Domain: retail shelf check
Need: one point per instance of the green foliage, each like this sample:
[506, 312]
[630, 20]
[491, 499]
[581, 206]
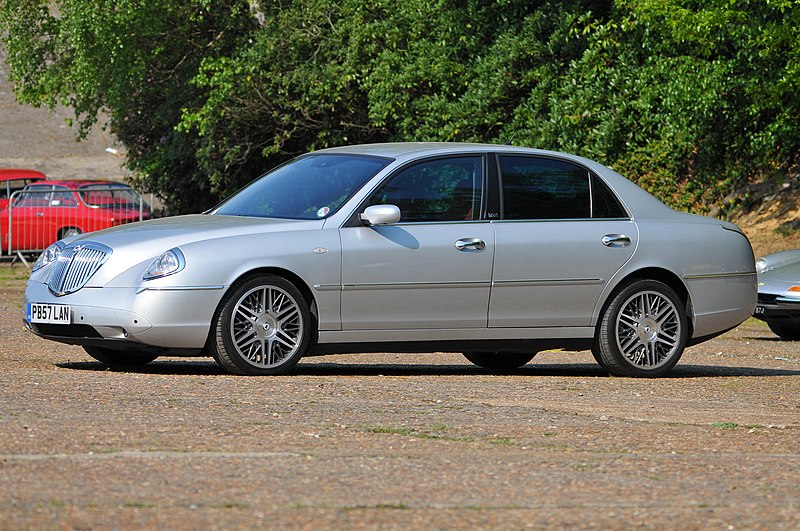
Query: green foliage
[292, 88]
[691, 99]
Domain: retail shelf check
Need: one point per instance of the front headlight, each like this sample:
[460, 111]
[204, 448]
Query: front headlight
[48, 256]
[168, 263]
[761, 265]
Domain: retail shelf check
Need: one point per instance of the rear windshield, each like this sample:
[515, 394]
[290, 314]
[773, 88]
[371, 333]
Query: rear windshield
[110, 196]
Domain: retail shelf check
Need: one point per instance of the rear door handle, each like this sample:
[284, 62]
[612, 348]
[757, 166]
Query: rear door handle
[615, 240]
[470, 244]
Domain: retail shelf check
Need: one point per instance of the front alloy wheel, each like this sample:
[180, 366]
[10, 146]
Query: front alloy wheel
[643, 331]
[262, 327]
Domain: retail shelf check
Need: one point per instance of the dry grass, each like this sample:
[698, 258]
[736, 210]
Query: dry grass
[775, 225]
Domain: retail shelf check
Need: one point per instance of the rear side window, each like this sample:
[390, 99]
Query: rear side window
[539, 188]
[604, 203]
[62, 197]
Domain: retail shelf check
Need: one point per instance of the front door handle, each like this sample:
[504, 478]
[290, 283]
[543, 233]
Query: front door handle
[470, 244]
[615, 240]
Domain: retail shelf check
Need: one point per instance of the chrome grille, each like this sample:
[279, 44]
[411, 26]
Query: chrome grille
[75, 266]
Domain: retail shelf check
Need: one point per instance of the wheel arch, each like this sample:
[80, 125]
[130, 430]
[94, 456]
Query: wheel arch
[661, 275]
[61, 233]
[294, 278]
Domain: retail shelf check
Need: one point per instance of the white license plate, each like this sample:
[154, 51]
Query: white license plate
[49, 313]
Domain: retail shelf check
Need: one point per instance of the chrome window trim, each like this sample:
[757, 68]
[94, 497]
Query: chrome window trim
[559, 220]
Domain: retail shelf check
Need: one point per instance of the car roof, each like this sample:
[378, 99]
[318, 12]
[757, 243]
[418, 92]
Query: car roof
[9, 174]
[404, 149]
[79, 183]
[638, 201]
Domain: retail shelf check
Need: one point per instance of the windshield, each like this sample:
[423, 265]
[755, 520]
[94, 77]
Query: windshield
[311, 187]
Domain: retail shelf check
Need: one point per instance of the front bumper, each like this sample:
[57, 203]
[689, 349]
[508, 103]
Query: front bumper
[176, 319]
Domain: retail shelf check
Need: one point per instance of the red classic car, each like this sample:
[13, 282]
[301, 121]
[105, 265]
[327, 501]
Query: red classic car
[44, 212]
[13, 180]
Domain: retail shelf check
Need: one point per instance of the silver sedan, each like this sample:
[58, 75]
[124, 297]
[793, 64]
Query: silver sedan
[494, 251]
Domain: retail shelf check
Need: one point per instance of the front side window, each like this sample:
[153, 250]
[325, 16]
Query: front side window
[311, 187]
[539, 188]
[62, 197]
[436, 190]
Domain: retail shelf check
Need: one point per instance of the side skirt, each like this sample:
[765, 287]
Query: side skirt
[523, 340]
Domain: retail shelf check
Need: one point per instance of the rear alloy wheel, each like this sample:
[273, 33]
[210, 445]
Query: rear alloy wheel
[787, 333]
[499, 361]
[263, 327]
[119, 358]
[643, 331]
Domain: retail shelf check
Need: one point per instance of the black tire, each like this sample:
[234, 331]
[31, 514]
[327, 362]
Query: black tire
[643, 330]
[262, 327]
[787, 333]
[69, 231]
[499, 361]
[120, 358]
[597, 356]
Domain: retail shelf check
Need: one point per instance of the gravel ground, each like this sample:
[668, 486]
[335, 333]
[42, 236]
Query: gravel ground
[398, 441]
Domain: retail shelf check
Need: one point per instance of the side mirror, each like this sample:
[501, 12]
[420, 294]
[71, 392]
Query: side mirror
[380, 215]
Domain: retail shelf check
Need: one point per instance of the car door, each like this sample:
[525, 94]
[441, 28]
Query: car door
[64, 214]
[432, 269]
[562, 238]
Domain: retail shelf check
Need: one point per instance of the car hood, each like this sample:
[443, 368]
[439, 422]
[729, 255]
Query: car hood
[777, 281]
[135, 245]
[159, 235]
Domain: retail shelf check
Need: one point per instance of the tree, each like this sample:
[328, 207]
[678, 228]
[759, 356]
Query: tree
[130, 61]
[321, 73]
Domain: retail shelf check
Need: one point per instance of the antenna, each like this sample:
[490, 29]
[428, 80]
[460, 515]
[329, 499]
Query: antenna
[510, 139]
